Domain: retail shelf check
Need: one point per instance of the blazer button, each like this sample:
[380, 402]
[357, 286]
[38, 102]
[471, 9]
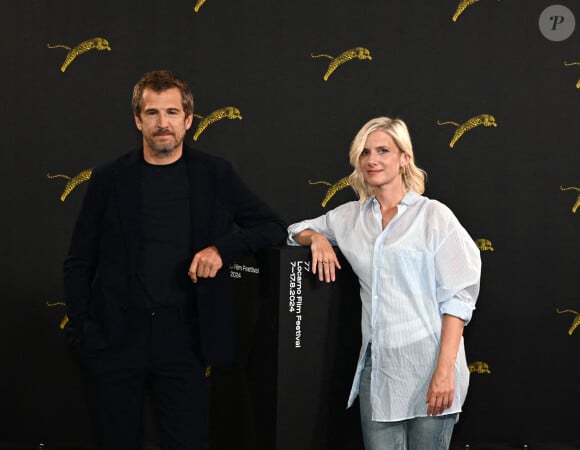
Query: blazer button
[124, 308]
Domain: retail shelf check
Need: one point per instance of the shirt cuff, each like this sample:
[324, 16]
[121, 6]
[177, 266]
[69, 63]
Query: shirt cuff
[296, 228]
[457, 308]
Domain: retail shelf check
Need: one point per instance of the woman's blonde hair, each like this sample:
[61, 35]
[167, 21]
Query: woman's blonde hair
[413, 177]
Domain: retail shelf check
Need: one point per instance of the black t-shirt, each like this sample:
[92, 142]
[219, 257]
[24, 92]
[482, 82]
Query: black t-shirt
[166, 235]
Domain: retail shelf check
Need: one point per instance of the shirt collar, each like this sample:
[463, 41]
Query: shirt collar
[409, 199]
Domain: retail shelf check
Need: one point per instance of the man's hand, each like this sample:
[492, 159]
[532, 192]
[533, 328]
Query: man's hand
[205, 264]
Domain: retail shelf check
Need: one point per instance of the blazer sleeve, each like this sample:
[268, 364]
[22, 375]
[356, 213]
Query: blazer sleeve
[82, 258]
[256, 225]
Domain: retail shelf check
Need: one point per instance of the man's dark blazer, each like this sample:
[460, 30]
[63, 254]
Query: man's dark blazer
[100, 270]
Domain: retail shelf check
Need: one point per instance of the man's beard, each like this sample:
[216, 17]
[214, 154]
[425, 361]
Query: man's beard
[164, 149]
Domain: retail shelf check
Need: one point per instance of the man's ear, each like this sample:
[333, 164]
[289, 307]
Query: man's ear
[138, 123]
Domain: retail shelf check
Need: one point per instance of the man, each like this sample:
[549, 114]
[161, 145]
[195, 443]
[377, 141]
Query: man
[148, 305]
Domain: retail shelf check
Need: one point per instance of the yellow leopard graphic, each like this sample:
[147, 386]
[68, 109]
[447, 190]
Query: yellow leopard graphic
[73, 182]
[353, 53]
[198, 5]
[486, 120]
[463, 5]
[479, 367]
[576, 321]
[332, 189]
[568, 188]
[65, 319]
[229, 112]
[574, 64]
[484, 245]
[91, 44]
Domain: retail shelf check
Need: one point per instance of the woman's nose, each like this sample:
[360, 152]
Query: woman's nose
[372, 159]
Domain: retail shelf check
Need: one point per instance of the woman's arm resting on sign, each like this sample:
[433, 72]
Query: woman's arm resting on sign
[324, 260]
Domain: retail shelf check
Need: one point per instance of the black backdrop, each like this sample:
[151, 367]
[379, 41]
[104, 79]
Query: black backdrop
[505, 183]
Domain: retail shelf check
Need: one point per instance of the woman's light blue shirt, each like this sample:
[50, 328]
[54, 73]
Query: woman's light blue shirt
[422, 265]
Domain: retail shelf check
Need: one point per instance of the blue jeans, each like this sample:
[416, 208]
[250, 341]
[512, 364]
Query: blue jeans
[419, 433]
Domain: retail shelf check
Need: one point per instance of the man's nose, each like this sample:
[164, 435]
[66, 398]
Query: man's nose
[162, 120]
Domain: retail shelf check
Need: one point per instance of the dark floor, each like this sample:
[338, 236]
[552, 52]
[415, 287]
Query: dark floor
[475, 446]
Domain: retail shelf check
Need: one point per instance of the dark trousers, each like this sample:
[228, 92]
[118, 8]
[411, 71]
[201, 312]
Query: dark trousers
[160, 353]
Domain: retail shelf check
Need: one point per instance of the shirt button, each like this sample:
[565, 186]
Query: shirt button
[153, 313]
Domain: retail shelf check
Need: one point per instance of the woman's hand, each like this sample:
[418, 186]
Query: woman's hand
[324, 260]
[442, 386]
[441, 390]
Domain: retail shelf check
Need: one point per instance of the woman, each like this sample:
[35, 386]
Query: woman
[419, 274]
